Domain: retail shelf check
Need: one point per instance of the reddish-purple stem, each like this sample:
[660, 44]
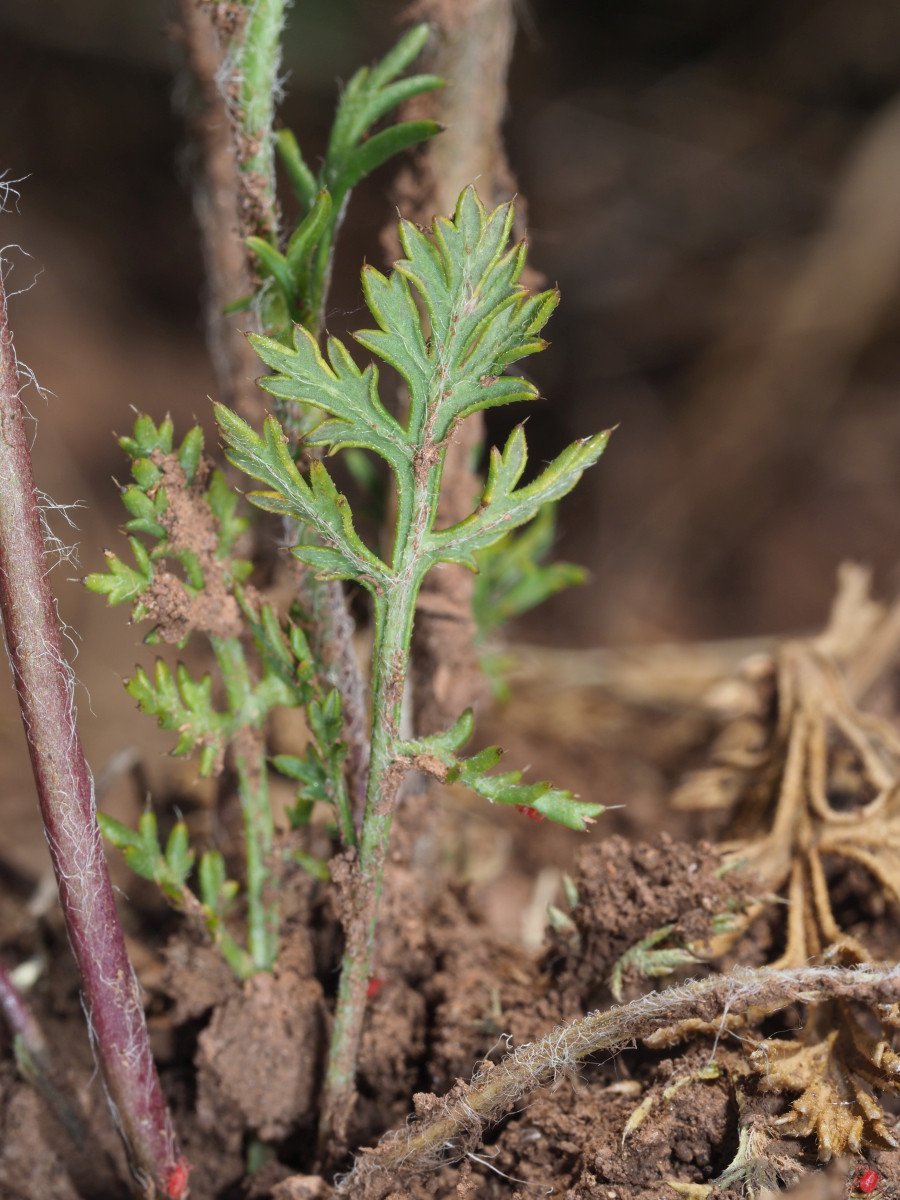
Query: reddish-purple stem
[45, 687]
[19, 1019]
[33, 1057]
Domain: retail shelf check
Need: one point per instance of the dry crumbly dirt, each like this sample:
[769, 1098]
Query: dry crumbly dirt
[242, 1062]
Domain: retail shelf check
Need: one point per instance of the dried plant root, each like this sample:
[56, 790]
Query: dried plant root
[446, 1127]
[834, 1065]
[812, 777]
[815, 781]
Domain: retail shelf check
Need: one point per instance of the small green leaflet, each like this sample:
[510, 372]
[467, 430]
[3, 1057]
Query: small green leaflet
[506, 788]
[504, 506]
[144, 853]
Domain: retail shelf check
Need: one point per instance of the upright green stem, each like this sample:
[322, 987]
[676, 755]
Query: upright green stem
[393, 620]
[45, 688]
[253, 789]
[332, 642]
[391, 662]
[256, 69]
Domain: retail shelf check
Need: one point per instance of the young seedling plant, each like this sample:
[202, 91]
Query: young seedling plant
[450, 318]
[477, 320]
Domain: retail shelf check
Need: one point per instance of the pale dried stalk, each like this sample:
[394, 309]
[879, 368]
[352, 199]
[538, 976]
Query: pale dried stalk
[471, 47]
[217, 204]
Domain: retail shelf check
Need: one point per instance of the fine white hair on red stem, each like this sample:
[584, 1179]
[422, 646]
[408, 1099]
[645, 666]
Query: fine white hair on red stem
[45, 685]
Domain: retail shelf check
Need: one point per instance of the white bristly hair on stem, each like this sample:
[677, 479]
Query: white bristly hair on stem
[455, 1124]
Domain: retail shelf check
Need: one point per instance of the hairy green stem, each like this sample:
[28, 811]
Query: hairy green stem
[45, 688]
[262, 919]
[253, 790]
[332, 643]
[394, 618]
[393, 621]
[256, 68]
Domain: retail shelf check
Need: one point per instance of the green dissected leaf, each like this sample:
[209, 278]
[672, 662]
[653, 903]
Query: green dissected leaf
[480, 319]
[539, 798]
[511, 579]
[148, 503]
[185, 705]
[320, 770]
[143, 852]
[370, 94]
[340, 389]
[651, 960]
[122, 582]
[355, 148]
[317, 504]
[504, 506]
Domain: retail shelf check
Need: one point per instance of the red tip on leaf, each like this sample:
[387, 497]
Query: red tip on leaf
[176, 1181]
[374, 987]
[531, 813]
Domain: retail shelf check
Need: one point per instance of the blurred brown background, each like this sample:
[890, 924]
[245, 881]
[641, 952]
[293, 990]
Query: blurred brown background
[715, 186]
